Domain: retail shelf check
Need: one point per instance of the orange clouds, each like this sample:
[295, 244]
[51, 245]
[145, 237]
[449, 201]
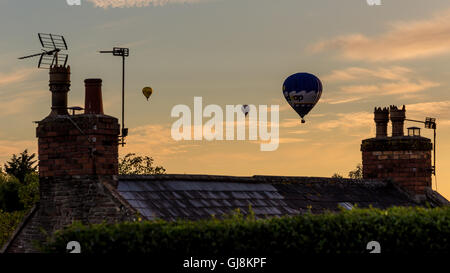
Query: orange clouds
[10, 147]
[356, 73]
[405, 40]
[436, 109]
[154, 140]
[16, 76]
[356, 83]
[353, 121]
[389, 88]
[18, 103]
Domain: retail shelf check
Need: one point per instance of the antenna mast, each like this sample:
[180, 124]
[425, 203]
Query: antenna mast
[122, 52]
[430, 123]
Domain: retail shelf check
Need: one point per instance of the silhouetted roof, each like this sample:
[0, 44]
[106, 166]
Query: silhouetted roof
[195, 197]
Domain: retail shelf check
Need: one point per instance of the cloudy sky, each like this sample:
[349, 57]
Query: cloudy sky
[237, 52]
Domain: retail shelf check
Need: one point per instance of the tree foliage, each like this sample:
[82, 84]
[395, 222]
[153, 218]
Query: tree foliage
[29, 191]
[20, 166]
[135, 164]
[9, 194]
[19, 185]
[356, 173]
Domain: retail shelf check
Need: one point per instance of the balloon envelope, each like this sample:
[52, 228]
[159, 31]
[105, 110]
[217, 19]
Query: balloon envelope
[302, 91]
[245, 109]
[147, 91]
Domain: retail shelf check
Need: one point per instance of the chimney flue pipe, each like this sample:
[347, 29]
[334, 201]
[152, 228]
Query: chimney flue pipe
[398, 120]
[59, 86]
[93, 103]
[381, 117]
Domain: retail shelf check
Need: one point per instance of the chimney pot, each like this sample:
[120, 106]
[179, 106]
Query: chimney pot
[398, 119]
[381, 117]
[93, 103]
[59, 86]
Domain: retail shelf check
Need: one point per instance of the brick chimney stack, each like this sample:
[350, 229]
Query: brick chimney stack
[403, 160]
[398, 120]
[85, 144]
[381, 117]
[78, 164]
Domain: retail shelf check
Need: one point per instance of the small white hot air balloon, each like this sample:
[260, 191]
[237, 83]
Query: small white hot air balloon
[246, 109]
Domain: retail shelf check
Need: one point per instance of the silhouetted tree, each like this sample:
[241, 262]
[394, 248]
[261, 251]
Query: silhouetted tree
[29, 191]
[20, 166]
[9, 194]
[356, 173]
[134, 164]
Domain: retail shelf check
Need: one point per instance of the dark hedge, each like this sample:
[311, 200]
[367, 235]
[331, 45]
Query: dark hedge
[398, 230]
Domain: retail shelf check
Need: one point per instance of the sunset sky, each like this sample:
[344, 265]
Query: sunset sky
[237, 52]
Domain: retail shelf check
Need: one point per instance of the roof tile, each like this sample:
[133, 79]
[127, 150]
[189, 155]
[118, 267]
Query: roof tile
[193, 197]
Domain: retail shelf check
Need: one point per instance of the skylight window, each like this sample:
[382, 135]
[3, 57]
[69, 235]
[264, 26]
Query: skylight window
[346, 205]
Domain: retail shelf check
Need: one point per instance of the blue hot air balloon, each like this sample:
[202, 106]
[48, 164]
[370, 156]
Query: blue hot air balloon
[302, 91]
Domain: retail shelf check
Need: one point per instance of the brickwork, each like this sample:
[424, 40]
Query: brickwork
[78, 162]
[404, 160]
[78, 145]
[66, 199]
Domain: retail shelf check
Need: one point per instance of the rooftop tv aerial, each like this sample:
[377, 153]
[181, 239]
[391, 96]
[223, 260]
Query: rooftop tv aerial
[51, 53]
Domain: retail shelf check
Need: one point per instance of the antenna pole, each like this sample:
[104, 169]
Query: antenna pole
[122, 52]
[413, 120]
[123, 99]
[434, 153]
[430, 123]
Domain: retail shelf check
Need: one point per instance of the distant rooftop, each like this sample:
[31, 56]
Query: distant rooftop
[196, 197]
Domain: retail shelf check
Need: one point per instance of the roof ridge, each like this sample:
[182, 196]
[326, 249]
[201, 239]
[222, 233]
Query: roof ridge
[249, 179]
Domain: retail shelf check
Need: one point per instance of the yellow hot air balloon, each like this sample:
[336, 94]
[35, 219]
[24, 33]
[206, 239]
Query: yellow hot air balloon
[147, 91]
